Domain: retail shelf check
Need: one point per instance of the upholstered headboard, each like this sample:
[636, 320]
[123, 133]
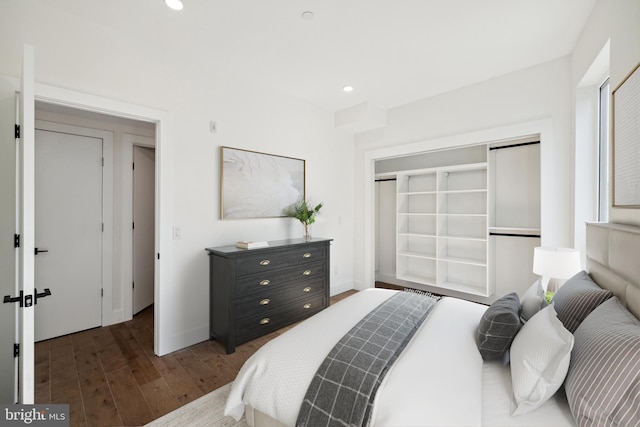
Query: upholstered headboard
[613, 261]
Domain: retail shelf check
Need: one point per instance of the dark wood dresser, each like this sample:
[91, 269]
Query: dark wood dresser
[255, 291]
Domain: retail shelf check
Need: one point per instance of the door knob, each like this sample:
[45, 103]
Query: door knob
[37, 251]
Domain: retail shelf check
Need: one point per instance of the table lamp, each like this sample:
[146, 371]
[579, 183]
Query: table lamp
[555, 265]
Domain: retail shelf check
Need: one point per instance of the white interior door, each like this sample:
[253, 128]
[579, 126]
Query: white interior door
[8, 256]
[386, 230]
[144, 227]
[25, 222]
[68, 230]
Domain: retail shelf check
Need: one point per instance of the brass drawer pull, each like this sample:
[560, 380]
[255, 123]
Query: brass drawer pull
[306, 255]
[307, 289]
[265, 301]
[307, 306]
[265, 282]
[265, 321]
[306, 273]
[265, 262]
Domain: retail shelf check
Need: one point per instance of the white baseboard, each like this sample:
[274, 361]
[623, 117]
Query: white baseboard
[340, 288]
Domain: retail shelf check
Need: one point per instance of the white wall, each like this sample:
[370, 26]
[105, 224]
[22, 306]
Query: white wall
[90, 58]
[537, 99]
[616, 21]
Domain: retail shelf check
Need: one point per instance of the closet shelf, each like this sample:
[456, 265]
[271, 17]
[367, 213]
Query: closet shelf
[463, 214]
[415, 193]
[417, 213]
[481, 190]
[524, 231]
[468, 261]
[417, 234]
[480, 289]
[417, 255]
[469, 238]
[426, 280]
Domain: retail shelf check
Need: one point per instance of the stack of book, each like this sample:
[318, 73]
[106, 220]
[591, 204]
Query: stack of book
[251, 245]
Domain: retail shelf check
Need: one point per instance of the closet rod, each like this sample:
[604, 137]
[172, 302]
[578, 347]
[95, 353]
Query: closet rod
[385, 179]
[537, 236]
[514, 145]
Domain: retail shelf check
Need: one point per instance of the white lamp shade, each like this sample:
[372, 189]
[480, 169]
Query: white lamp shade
[557, 263]
[174, 4]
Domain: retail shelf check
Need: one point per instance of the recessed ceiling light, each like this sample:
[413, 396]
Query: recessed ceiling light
[348, 88]
[174, 4]
[307, 15]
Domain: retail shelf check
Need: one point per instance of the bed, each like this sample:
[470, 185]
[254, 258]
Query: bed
[441, 378]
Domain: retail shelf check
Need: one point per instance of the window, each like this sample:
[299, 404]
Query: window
[603, 153]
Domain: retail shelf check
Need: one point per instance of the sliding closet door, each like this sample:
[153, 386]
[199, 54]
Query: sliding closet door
[386, 229]
[514, 213]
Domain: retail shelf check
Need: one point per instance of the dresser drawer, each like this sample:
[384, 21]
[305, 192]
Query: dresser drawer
[271, 320]
[265, 299]
[272, 260]
[277, 279]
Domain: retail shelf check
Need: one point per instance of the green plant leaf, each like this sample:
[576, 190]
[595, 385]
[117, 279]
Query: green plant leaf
[303, 212]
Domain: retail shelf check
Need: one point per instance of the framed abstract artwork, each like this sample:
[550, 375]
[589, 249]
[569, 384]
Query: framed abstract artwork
[258, 185]
[626, 141]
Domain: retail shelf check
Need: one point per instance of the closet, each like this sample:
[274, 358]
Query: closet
[466, 219]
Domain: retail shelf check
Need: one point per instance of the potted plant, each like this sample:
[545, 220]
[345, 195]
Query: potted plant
[304, 212]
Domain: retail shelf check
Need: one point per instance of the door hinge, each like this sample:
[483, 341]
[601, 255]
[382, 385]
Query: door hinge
[101, 292]
[158, 255]
[133, 285]
[16, 350]
[103, 162]
[133, 225]
[103, 227]
[17, 131]
[133, 166]
[16, 240]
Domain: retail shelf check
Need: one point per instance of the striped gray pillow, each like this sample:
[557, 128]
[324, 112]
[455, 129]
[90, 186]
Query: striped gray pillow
[577, 298]
[603, 383]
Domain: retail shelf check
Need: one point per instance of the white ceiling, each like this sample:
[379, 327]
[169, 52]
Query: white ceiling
[392, 51]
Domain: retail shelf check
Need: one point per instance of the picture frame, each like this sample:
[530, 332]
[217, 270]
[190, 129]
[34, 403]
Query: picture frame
[625, 100]
[258, 185]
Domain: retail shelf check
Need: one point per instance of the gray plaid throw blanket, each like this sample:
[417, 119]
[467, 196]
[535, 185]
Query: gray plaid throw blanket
[343, 389]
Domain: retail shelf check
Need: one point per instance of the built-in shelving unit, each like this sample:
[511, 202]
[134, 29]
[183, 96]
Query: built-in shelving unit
[442, 228]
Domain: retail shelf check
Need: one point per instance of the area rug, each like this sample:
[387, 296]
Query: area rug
[207, 410]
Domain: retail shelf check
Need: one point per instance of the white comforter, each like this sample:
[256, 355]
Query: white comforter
[288, 363]
[436, 381]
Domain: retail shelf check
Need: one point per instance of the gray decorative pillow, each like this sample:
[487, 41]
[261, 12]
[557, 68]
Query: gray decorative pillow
[532, 301]
[603, 383]
[498, 326]
[578, 297]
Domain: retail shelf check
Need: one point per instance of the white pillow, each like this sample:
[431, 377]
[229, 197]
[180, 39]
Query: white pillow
[540, 356]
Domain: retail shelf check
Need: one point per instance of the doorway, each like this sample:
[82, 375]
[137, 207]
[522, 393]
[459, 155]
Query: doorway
[143, 226]
[118, 272]
[27, 95]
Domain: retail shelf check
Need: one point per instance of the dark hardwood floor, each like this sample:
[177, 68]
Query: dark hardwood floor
[110, 376]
